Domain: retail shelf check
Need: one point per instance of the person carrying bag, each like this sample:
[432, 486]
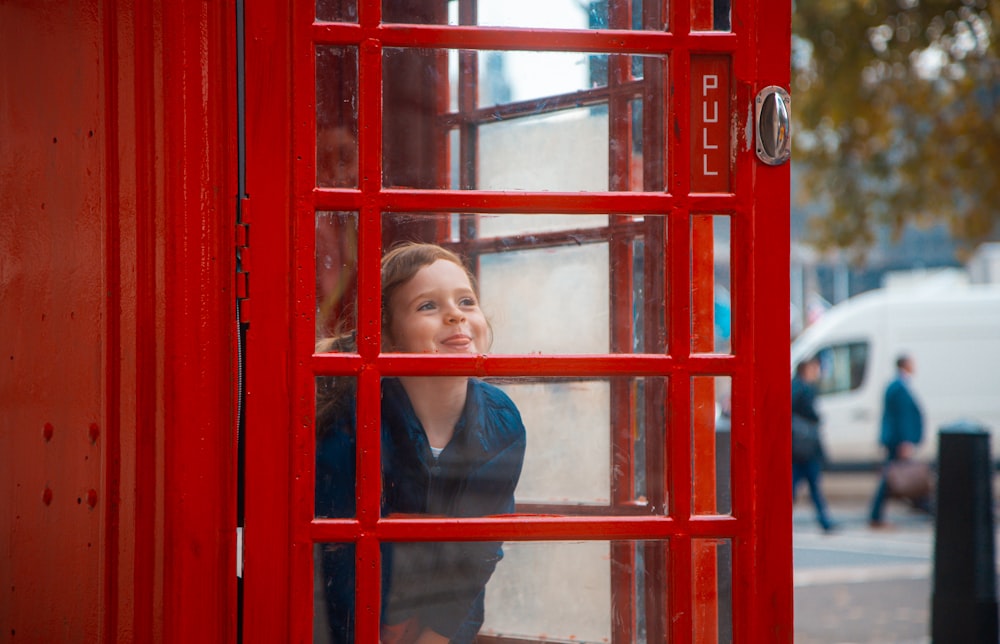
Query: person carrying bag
[807, 446]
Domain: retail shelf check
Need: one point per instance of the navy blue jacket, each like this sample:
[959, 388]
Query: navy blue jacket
[441, 584]
[902, 421]
[804, 399]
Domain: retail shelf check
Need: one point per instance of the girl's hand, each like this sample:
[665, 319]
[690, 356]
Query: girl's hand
[402, 633]
[430, 637]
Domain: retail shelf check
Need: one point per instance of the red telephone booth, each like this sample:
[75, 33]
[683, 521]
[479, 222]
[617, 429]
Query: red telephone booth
[228, 177]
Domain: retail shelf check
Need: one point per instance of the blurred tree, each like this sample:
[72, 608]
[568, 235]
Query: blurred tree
[896, 108]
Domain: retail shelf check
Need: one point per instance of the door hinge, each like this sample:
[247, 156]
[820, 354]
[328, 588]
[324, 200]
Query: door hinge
[239, 552]
[242, 286]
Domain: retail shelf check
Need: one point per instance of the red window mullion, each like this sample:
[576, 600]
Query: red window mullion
[679, 424]
[303, 332]
[369, 332]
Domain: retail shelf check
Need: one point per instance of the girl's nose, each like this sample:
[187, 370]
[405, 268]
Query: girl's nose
[455, 313]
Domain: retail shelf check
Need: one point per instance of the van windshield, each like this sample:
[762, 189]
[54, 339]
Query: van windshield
[843, 367]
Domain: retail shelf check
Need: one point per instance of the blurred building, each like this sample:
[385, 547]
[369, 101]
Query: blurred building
[822, 280]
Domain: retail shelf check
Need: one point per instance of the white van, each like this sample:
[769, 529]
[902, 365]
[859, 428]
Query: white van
[952, 331]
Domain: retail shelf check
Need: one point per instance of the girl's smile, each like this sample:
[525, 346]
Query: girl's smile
[437, 311]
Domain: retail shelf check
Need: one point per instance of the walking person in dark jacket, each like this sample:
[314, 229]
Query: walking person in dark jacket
[902, 430]
[809, 467]
[451, 446]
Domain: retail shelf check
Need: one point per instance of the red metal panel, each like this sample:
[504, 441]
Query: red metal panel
[52, 322]
[146, 238]
[98, 374]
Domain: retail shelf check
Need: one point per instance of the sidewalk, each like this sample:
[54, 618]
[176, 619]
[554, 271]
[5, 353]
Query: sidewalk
[858, 585]
[848, 486]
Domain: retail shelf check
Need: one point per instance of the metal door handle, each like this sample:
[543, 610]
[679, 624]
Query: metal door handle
[774, 135]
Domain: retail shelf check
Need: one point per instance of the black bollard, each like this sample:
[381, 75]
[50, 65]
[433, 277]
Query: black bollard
[964, 596]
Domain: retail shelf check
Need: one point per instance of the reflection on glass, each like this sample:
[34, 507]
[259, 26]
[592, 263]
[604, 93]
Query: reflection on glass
[506, 225]
[551, 300]
[337, 10]
[711, 305]
[648, 277]
[710, 444]
[513, 76]
[595, 444]
[711, 591]
[336, 270]
[569, 461]
[333, 593]
[567, 151]
[336, 117]
[414, 145]
[563, 14]
[711, 15]
[569, 597]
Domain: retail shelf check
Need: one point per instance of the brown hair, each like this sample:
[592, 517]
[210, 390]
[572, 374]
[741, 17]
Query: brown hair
[399, 265]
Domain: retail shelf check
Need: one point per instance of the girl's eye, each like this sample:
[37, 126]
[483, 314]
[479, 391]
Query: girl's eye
[467, 301]
[426, 306]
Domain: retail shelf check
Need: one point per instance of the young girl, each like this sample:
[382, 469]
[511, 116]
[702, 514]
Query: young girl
[451, 446]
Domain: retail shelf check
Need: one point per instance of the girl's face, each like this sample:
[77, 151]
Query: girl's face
[437, 311]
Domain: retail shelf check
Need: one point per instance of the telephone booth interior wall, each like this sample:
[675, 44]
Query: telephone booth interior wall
[596, 168]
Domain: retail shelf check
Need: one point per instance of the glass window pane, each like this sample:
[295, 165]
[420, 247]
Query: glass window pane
[333, 593]
[576, 430]
[508, 225]
[563, 14]
[843, 367]
[569, 598]
[513, 76]
[523, 590]
[710, 444]
[712, 583]
[711, 15]
[548, 301]
[336, 445]
[546, 286]
[565, 152]
[711, 305]
[535, 445]
[336, 271]
[336, 117]
[570, 455]
[522, 120]
[337, 10]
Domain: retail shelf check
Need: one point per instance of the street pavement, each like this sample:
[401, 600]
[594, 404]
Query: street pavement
[859, 585]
